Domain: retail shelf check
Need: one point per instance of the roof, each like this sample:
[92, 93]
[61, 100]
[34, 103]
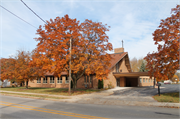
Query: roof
[132, 74]
[50, 74]
[116, 58]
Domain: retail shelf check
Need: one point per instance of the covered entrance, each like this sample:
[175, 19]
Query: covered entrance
[118, 82]
[131, 82]
[128, 79]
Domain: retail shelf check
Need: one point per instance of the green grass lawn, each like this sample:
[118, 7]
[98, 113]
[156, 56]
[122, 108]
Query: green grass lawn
[54, 91]
[168, 97]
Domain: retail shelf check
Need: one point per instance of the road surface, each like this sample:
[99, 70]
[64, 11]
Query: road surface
[25, 108]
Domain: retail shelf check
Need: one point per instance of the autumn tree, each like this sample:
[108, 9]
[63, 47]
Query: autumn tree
[89, 46]
[19, 68]
[7, 68]
[164, 63]
[175, 78]
[178, 74]
[136, 64]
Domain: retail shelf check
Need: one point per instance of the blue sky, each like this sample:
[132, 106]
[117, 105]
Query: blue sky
[132, 21]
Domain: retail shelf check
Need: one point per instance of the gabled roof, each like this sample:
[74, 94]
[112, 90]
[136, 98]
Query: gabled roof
[119, 56]
[116, 58]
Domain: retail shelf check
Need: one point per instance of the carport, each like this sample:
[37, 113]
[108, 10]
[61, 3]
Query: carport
[128, 79]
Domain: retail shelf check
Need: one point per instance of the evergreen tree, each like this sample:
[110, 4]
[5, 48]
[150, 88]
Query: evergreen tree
[143, 67]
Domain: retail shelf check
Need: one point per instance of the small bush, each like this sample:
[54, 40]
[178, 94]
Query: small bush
[100, 84]
[110, 85]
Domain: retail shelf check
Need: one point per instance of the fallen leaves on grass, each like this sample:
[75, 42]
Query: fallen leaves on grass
[168, 97]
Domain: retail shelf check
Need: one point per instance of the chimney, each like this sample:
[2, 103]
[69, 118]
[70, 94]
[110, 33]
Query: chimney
[118, 50]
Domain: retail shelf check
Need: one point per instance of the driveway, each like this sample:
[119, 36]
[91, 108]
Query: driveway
[141, 96]
[147, 91]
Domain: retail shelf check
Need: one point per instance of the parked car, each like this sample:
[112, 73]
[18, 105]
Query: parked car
[168, 82]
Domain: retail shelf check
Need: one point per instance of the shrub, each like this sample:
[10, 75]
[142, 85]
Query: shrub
[100, 84]
[110, 85]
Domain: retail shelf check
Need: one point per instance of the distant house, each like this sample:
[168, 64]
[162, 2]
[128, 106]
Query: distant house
[120, 75]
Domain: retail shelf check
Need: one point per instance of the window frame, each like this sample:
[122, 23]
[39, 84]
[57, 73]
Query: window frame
[117, 67]
[39, 81]
[51, 78]
[67, 80]
[140, 79]
[87, 79]
[45, 79]
[91, 79]
[59, 80]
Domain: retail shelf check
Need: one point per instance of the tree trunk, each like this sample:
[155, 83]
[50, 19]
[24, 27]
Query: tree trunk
[26, 84]
[74, 84]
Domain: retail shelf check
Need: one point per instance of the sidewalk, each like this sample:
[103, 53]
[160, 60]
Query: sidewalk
[106, 98]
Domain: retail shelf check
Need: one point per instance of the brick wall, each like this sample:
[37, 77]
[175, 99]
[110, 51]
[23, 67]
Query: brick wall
[145, 81]
[81, 83]
[48, 84]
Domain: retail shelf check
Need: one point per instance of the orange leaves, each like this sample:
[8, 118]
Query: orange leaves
[89, 46]
[165, 62]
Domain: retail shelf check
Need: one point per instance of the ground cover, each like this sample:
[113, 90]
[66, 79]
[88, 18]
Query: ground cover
[168, 97]
[32, 95]
[53, 91]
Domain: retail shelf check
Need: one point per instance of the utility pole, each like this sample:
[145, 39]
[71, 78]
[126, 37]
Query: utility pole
[70, 68]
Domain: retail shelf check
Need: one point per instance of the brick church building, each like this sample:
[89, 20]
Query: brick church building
[120, 75]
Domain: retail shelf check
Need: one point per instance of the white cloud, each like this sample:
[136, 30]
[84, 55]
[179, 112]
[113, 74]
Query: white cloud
[132, 21]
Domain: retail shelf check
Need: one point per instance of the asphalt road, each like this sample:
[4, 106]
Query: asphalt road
[148, 91]
[25, 108]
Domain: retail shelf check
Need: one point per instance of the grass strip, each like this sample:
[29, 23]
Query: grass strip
[30, 95]
[168, 97]
[53, 91]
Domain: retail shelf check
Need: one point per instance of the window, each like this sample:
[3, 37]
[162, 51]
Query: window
[140, 80]
[88, 79]
[117, 67]
[149, 80]
[67, 80]
[91, 78]
[59, 80]
[143, 79]
[146, 80]
[51, 79]
[84, 79]
[39, 80]
[45, 80]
